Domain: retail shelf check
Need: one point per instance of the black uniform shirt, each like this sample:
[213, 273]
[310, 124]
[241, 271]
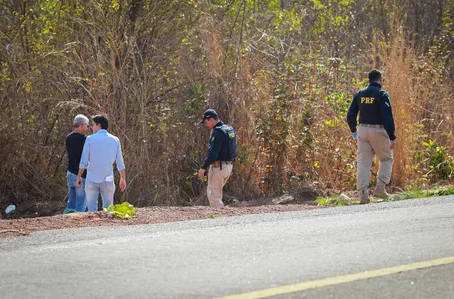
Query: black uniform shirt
[374, 107]
[217, 142]
[74, 145]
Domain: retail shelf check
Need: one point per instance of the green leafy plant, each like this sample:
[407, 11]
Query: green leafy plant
[336, 200]
[124, 210]
[440, 164]
[417, 193]
[344, 200]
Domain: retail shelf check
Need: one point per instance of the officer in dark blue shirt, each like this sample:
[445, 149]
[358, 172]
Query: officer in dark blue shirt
[220, 157]
[375, 135]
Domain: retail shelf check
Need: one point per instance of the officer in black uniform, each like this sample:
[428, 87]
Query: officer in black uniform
[220, 157]
[375, 135]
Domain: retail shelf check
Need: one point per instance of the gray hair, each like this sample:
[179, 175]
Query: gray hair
[80, 119]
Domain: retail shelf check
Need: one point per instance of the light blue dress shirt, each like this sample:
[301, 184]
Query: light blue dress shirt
[100, 151]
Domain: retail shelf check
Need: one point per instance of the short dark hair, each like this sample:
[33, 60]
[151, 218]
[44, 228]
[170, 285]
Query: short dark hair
[374, 75]
[214, 117]
[102, 120]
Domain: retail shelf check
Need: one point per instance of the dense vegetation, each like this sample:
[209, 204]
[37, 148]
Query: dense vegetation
[281, 72]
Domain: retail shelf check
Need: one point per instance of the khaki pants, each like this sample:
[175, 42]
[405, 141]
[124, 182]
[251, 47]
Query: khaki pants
[216, 181]
[373, 140]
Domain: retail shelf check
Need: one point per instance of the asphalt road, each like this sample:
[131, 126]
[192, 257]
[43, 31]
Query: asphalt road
[228, 256]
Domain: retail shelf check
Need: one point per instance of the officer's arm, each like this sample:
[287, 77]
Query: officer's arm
[387, 115]
[215, 148]
[353, 113]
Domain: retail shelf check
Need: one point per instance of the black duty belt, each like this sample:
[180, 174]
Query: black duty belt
[219, 163]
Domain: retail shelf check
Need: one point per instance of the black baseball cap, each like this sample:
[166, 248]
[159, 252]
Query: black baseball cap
[210, 113]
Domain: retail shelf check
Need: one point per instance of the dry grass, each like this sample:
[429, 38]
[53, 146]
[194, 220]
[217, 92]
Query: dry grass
[154, 77]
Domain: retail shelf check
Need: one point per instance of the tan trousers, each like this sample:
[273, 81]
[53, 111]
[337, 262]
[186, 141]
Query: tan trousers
[373, 141]
[216, 181]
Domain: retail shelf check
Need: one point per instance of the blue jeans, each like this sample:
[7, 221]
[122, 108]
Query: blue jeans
[76, 196]
[107, 190]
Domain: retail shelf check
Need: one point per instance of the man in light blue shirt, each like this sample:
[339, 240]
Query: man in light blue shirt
[100, 151]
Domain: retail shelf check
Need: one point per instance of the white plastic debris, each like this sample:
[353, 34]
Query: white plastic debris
[10, 209]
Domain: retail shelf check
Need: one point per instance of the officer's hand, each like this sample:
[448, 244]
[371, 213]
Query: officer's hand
[202, 173]
[392, 144]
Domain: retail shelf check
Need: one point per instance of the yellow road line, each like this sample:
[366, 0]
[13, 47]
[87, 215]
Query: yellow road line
[303, 286]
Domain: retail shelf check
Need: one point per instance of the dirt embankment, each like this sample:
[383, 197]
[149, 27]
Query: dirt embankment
[299, 199]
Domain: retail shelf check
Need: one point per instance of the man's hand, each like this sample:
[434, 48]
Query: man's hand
[79, 177]
[122, 180]
[392, 144]
[122, 185]
[79, 182]
[202, 173]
